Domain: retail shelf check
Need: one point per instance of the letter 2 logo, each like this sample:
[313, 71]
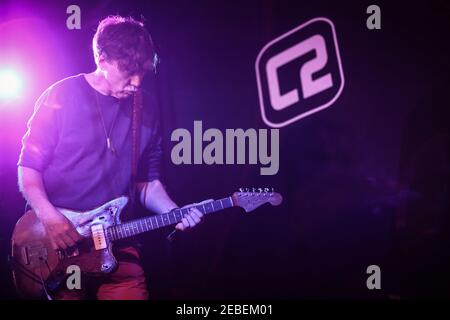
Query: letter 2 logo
[308, 53]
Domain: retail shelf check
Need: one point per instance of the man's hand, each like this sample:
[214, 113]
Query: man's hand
[59, 229]
[192, 218]
[61, 232]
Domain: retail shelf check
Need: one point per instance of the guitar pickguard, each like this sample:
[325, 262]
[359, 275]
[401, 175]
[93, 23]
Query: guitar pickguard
[36, 261]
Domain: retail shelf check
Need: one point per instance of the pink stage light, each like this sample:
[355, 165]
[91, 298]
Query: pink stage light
[10, 84]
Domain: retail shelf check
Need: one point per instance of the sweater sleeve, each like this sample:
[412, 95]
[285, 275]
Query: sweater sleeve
[41, 136]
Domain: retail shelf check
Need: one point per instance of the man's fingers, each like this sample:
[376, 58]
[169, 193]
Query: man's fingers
[180, 226]
[60, 244]
[197, 212]
[195, 215]
[183, 225]
[68, 240]
[74, 235]
[54, 244]
[195, 218]
[192, 218]
[191, 222]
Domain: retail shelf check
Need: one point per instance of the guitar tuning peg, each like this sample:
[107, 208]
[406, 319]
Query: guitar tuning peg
[266, 189]
[260, 190]
[241, 189]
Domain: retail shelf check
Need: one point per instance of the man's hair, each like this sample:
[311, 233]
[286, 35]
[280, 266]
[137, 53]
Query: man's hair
[125, 40]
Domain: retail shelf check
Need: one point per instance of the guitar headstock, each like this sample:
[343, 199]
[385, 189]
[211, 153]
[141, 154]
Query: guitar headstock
[252, 198]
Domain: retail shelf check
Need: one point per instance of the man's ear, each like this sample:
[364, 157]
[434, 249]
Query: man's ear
[102, 62]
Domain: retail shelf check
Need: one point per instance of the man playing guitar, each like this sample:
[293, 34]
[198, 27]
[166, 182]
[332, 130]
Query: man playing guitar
[77, 151]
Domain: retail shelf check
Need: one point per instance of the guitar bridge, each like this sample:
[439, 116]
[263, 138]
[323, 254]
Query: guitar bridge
[34, 255]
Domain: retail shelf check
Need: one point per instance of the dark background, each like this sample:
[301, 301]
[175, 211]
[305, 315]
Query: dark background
[364, 182]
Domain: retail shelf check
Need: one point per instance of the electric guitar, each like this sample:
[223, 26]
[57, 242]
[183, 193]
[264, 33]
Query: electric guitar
[38, 269]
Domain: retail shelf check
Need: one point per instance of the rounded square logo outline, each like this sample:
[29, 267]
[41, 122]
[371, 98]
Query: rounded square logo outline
[309, 112]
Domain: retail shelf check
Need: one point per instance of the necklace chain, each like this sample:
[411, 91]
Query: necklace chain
[107, 135]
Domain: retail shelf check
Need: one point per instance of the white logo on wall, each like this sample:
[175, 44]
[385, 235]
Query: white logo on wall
[299, 73]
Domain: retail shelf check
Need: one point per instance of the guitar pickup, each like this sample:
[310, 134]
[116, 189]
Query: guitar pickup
[98, 236]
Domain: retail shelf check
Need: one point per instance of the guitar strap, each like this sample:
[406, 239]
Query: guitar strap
[136, 139]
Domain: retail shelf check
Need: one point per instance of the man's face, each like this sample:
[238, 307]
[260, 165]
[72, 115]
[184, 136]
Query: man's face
[122, 84]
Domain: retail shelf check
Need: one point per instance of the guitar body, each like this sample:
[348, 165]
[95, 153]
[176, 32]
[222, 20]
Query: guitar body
[38, 269]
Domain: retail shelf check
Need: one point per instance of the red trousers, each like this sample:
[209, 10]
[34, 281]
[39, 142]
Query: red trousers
[126, 283]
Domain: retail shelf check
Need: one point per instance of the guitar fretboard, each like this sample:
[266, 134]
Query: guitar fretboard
[138, 226]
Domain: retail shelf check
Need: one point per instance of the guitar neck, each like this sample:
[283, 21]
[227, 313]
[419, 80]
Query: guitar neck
[138, 226]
